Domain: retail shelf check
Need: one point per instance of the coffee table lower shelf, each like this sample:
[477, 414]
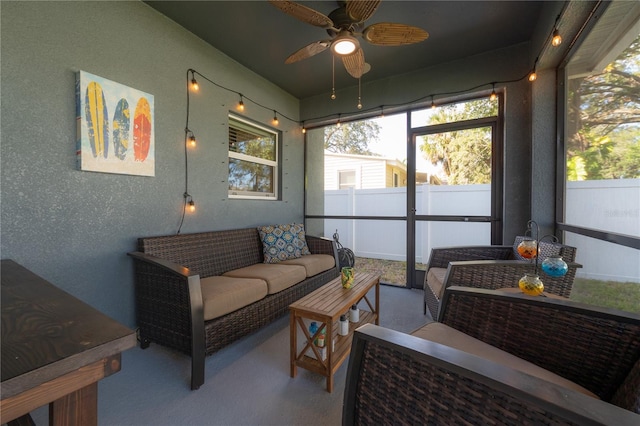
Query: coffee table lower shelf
[325, 306]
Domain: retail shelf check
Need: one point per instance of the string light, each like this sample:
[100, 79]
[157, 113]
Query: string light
[194, 83]
[189, 204]
[338, 124]
[557, 38]
[433, 104]
[533, 75]
[493, 95]
[241, 104]
[275, 118]
[191, 139]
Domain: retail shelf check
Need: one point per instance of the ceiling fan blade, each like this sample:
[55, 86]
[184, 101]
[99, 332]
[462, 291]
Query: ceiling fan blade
[389, 34]
[303, 13]
[354, 63]
[361, 10]
[308, 51]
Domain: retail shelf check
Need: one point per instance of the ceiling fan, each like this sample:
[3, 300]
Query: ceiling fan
[344, 26]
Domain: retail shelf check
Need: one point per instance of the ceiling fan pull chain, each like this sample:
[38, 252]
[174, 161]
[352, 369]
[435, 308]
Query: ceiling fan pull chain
[333, 77]
[359, 94]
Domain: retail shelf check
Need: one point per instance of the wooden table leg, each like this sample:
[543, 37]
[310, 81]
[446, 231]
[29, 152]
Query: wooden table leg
[293, 339]
[77, 408]
[328, 343]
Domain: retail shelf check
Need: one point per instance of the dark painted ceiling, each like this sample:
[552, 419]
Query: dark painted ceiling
[261, 37]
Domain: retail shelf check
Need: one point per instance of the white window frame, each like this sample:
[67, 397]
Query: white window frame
[248, 158]
[355, 176]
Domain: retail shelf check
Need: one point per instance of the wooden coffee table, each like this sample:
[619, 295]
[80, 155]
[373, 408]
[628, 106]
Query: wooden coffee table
[325, 305]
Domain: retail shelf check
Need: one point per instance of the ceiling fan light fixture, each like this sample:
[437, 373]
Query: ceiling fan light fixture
[344, 44]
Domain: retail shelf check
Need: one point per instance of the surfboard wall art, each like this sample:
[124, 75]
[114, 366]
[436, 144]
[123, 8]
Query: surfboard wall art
[114, 127]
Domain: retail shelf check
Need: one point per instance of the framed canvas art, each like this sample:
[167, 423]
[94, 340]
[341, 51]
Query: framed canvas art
[114, 127]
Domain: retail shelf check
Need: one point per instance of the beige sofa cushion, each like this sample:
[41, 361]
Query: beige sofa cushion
[277, 276]
[313, 263]
[222, 295]
[445, 335]
[435, 280]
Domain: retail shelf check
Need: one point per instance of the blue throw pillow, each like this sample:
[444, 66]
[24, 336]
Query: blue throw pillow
[282, 242]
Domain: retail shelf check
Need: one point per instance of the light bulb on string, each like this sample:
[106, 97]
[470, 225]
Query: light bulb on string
[191, 138]
[194, 84]
[433, 104]
[493, 95]
[333, 78]
[557, 38]
[189, 204]
[304, 130]
[240, 104]
[275, 118]
[533, 75]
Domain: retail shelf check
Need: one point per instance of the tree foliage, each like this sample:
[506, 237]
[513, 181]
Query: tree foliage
[464, 156]
[351, 138]
[604, 121]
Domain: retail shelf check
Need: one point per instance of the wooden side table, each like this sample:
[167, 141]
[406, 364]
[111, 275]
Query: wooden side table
[325, 306]
[55, 349]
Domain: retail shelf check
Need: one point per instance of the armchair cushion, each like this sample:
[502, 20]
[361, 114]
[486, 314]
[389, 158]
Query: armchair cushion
[445, 335]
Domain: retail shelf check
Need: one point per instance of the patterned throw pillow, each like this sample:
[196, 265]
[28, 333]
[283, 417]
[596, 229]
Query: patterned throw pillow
[282, 242]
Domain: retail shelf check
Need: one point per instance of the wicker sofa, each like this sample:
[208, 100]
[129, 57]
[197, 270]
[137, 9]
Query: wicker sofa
[491, 267]
[499, 358]
[197, 293]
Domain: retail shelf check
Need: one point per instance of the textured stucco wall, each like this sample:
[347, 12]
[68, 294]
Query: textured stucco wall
[74, 228]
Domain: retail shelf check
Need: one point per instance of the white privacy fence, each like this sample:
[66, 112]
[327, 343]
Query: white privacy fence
[386, 239]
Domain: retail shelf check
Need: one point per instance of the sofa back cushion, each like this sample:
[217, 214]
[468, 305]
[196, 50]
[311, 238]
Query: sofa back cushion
[207, 253]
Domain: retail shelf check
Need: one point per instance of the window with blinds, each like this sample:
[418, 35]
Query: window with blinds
[253, 160]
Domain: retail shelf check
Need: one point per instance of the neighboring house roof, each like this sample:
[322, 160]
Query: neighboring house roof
[391, 161]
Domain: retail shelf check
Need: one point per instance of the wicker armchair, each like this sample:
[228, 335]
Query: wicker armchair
[397, 378]
[491, 267]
